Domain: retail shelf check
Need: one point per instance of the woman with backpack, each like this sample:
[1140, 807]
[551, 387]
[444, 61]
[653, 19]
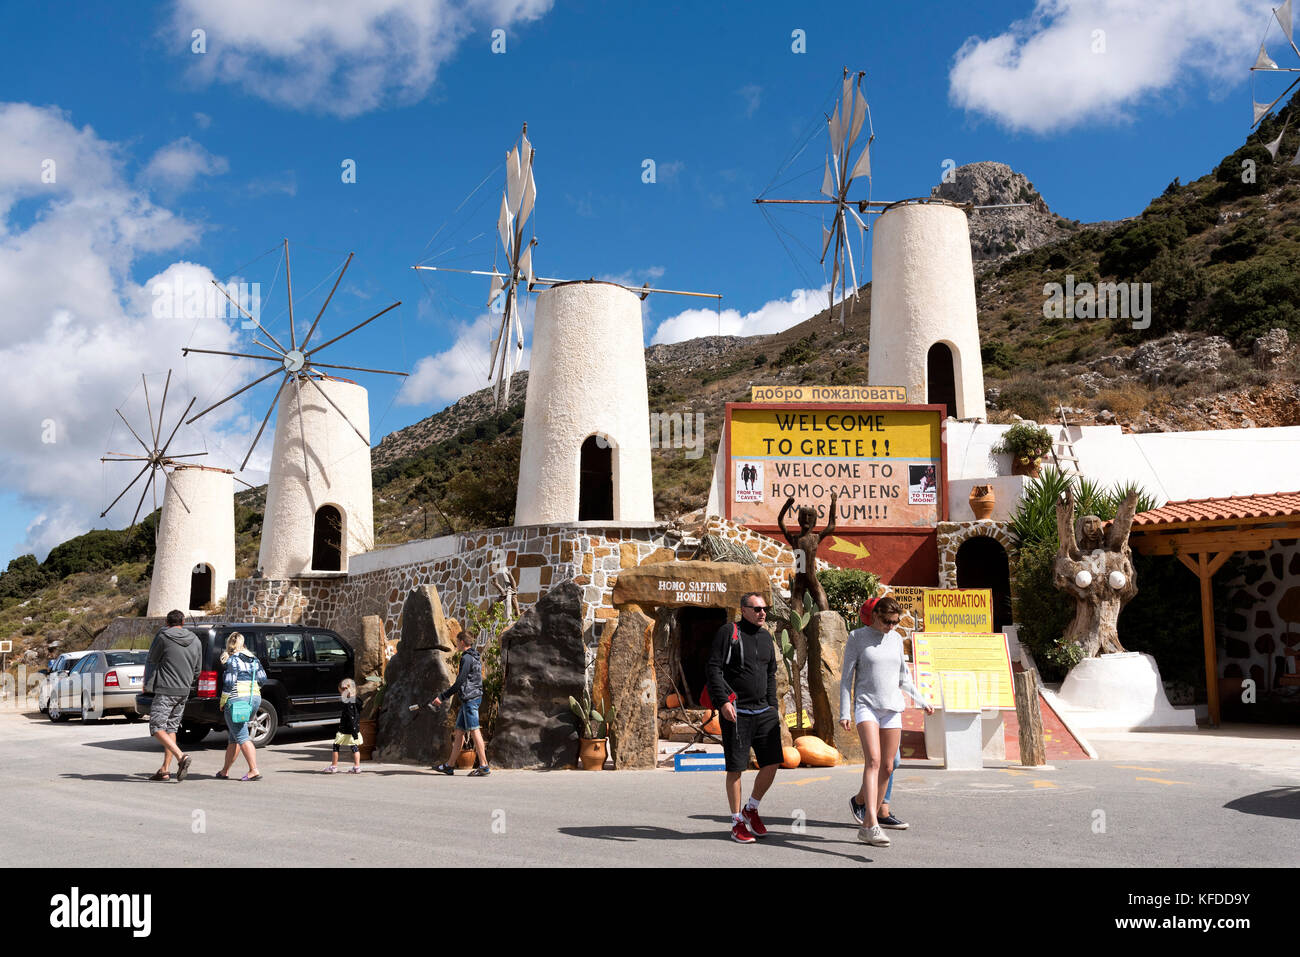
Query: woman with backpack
[241, 695]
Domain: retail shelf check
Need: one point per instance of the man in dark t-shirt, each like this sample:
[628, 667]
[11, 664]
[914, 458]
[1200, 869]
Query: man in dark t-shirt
[742, 683]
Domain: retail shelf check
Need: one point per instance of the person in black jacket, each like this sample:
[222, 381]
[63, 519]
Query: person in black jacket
[742, 684]
[349, 733]
[469, 685]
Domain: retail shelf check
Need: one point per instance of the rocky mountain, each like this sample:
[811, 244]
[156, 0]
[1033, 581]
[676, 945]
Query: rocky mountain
[999, 234]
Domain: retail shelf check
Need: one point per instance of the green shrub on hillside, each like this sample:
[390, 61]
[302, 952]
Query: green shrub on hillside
[1131, 250]
[1260, 295]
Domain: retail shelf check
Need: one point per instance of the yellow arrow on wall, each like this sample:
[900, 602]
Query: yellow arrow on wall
[852, 548]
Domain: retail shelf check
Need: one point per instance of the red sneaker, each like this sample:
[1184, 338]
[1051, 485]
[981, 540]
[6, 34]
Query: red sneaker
[754, 822]
[740, 834]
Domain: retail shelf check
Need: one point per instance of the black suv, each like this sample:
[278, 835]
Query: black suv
[303, 669]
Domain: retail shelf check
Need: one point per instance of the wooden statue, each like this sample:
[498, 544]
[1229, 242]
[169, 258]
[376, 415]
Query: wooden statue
[805, 552]
[1095, 567]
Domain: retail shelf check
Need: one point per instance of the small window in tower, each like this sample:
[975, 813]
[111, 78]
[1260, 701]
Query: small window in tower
[596, 481]
[201, 586]
[327, 541]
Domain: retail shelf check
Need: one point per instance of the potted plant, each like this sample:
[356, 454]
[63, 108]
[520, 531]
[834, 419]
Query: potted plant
[592, 726]
[1026, 443]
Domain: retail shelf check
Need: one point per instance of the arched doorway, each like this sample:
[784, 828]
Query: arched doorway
[596, 480]
[327, 540]
[982, 563]
[941, 386]
[200, 586]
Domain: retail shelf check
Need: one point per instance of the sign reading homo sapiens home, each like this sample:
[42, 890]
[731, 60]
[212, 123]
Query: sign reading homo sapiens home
[883, 463]
[959, 609]
[984, 655]
[828, 393]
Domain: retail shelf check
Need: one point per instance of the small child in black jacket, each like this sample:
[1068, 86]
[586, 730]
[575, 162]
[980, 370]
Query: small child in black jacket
[349, 733]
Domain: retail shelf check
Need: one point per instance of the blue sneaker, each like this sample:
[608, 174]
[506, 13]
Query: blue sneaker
[859, 811]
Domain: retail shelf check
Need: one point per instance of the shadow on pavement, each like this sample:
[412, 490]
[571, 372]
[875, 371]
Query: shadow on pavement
[645, 832]
[1281, 802]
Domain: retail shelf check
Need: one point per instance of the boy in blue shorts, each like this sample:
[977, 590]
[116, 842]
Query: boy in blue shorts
[469, 685]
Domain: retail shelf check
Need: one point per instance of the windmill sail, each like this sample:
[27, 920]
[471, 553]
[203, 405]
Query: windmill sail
[844, 128]
[516, 207]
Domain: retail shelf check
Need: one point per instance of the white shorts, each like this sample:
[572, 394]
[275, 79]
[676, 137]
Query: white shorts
[886, 719]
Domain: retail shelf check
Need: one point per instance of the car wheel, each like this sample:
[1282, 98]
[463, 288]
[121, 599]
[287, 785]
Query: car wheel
[263, 725]
[86, 708]
[133, 716]
[55, 713]
[189, 735]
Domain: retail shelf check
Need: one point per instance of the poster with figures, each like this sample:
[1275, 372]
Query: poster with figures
[749, 481]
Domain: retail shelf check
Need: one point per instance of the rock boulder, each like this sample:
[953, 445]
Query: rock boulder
[545, 664]
[415, 674]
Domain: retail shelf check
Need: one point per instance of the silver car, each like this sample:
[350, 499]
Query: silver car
[58, 669]
[101, 683]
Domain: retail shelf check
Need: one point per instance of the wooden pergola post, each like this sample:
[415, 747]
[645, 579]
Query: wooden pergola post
[1204, 568]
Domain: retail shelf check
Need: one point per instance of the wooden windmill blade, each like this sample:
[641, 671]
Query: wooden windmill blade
[1266, 64]
[157, 456]
[297, 363]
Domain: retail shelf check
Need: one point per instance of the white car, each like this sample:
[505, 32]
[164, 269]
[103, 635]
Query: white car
[101, 683]
[59, 669]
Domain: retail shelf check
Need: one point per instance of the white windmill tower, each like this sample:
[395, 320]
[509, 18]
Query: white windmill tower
[924, 330]
[194, 552]
[585, 454]
[319, 503]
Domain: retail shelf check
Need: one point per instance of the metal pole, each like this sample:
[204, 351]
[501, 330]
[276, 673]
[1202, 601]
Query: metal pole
[550, 281]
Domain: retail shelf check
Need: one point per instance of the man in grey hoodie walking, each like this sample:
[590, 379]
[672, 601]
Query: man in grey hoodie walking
[175, 656]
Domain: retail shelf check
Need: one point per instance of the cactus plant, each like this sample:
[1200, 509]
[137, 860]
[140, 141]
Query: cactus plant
[591, 723]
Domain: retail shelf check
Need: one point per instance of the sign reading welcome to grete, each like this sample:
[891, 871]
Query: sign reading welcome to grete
[882, 463]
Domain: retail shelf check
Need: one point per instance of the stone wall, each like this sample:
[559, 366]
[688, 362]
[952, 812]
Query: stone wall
[1256, 631]
[953, 534]
[536, 556]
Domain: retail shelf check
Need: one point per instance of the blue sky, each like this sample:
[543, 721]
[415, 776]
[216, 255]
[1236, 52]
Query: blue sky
[171, 163]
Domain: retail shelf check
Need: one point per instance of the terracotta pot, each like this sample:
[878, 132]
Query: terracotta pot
[466, 760]
[982, 501]
[591, 753]
[1031, 467]
[369, 735]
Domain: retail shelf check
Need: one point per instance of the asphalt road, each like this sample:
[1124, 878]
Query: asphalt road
[79, 796]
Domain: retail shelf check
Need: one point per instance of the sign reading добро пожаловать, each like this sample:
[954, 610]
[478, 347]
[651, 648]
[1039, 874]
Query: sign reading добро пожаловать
[883, 464]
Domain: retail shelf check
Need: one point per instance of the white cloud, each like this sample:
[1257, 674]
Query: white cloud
[178, 164]
[339, 56]
[775, 316]
[753, 96]
[1045, 72]
[461, 369]
[78, 330]
[203, 120]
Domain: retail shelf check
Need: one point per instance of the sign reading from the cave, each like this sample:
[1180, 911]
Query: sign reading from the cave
[882, 462]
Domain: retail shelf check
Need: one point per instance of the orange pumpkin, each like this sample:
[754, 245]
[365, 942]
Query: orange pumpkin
[816, 753]
[673, 701]
[790, 757]
[712, 726]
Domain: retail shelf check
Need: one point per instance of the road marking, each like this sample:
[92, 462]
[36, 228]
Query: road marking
[1013, 773]
[1136, 767]
[1162, 781]
[804, 781]
[1044, 784]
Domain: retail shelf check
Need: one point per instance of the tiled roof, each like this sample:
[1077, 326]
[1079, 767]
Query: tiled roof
[1240, 507]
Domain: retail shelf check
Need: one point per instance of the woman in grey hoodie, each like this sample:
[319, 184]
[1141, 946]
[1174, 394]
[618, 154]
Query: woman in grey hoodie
[872, 682]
